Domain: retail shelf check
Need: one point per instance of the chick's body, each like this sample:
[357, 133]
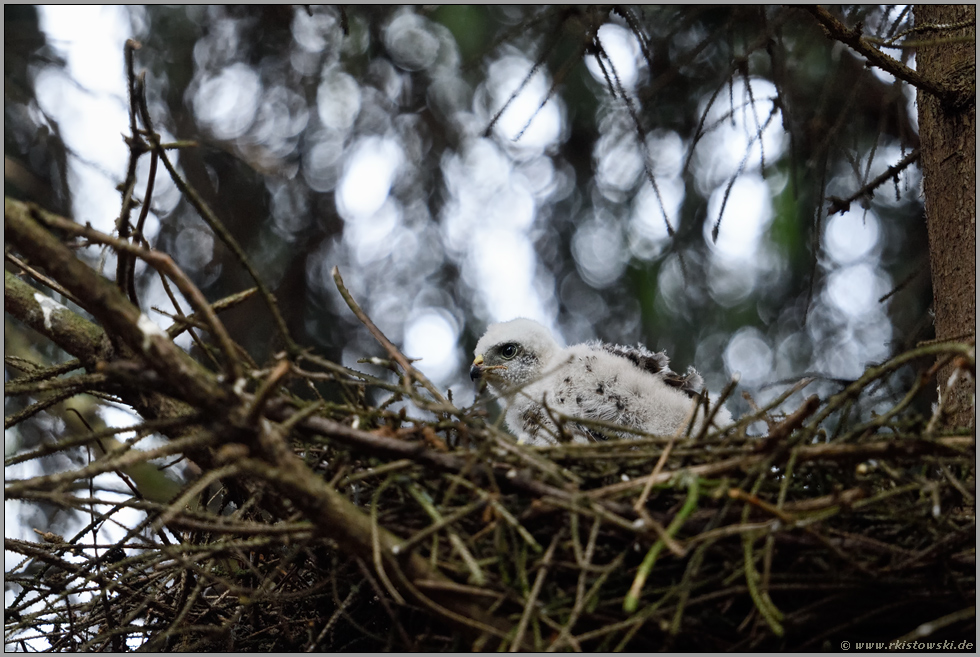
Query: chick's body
[626, 386]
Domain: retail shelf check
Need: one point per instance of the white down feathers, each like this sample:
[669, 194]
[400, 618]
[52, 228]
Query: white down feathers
[627, 386]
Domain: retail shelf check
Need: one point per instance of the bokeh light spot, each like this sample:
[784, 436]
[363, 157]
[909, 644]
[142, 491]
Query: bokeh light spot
[226, 103]
[432, 337]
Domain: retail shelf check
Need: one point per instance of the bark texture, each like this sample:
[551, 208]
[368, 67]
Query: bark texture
[948, 133]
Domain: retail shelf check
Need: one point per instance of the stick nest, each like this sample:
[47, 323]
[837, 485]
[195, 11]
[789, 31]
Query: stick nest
[346, 525]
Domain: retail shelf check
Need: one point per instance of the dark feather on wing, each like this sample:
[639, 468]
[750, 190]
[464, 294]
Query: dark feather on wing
[657, 363]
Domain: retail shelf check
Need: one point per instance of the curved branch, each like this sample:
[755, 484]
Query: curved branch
[164, 264]
[853, 38]
[393, 351]
[225, 236]
[111, 307]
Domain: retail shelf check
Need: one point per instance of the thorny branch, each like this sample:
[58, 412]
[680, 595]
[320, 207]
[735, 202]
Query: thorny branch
[860, 44]
[844, 204]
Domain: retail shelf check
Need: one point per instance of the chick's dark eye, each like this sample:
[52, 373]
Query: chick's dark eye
[508, 351]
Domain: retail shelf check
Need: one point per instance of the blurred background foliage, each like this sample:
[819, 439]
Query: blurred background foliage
[654, 174]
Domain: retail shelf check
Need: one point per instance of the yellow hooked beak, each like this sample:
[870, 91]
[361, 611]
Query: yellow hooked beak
[476, 370]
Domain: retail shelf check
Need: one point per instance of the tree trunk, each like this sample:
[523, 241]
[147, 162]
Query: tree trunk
[948, 133]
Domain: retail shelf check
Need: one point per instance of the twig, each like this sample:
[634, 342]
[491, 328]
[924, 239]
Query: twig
[14, 419]
[408, 372]
[75, 441]
[37, 373]
[160, 261]
[881, 449]
[136, 149]
[690, 504]
[533, 595]
[41, 278]
[554, 37]
[140, 222]
[737, 64]
[642, 499]
[792, 422]
[844, 204]
[183, 322]
[16, 488]
[853, 38]
[459, 514]
[225, 235]
[476, 573]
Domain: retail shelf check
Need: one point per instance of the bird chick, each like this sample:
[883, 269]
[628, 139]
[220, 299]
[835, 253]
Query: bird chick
[628, 386]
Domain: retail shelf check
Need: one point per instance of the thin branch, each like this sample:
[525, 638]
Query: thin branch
[147, 200]
[136, 148]
[41, 278]
[163, 263]
[853, 38]
[112, 461]
[225, 235]
[409, 372]
[117, 315]
[555, 36]
[844, 204]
